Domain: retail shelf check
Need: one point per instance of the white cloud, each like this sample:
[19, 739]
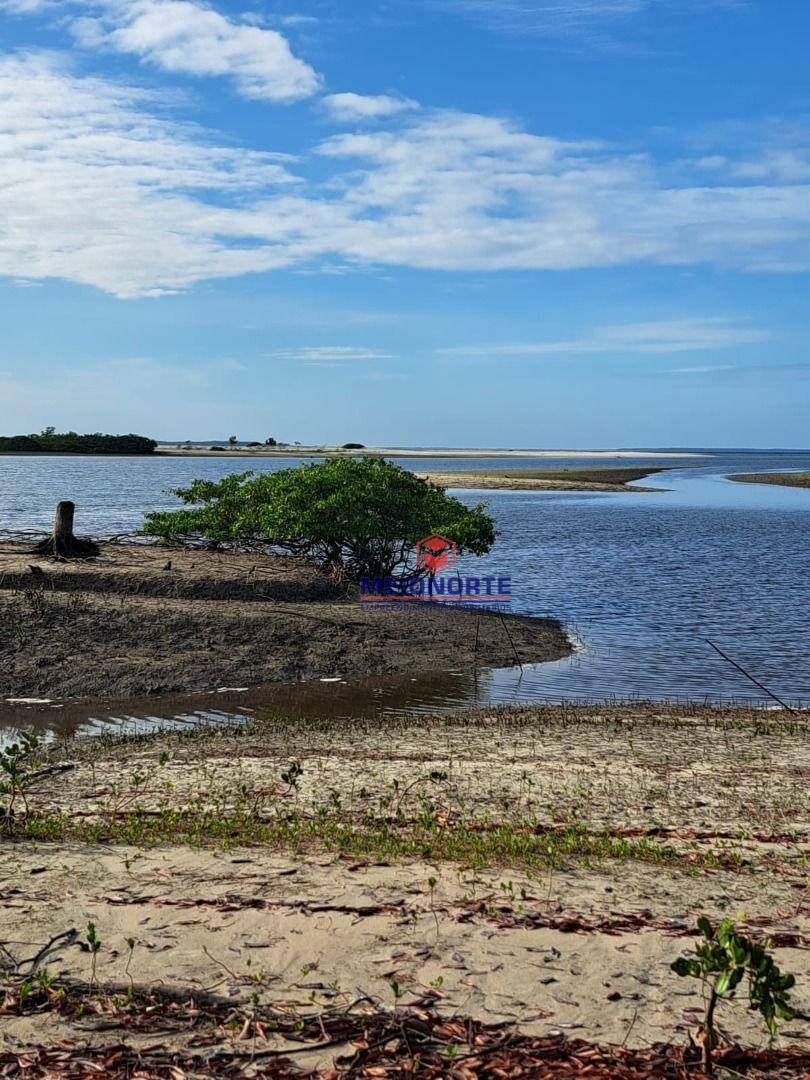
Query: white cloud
[707, 370]
[350, 107]
[670, 336]
[569, 18]
[330, 354]
[181, 36]
[98, 186]
[545, 16]
[24, 7]
[95, 190]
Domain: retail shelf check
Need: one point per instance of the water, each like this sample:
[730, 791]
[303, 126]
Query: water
[640, 579]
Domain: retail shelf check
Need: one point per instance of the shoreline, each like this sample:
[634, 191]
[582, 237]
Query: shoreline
[143, 620]
[169, 450]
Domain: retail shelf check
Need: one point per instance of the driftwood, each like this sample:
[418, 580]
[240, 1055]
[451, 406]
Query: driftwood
[62, 544]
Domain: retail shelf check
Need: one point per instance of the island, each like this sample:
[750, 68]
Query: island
[782, 479]
[51, 441]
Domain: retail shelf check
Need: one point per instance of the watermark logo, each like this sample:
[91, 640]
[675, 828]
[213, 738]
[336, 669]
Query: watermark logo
[437, 580]
[436, 553]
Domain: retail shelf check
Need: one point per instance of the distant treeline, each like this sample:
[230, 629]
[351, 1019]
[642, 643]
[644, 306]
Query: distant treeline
[69, 442]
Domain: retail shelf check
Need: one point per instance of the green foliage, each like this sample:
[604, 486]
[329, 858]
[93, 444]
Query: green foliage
[722, 960]
[15, 773]
[52, 442]
[291, 776]
[93, 945]
[353, 517]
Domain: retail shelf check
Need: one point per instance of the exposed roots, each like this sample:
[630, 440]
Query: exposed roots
[73, 547]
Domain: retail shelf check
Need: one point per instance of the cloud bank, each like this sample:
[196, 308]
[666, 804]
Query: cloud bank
[98, 186]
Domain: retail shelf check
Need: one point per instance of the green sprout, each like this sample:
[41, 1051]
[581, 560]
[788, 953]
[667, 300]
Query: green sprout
[721, 961]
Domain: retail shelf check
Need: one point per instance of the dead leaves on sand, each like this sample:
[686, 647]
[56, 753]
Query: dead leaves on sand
[389, 1045]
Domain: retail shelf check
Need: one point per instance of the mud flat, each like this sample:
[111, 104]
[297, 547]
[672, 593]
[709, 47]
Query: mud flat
[432, 896]
[567, 479]
[142, 620]
[783, 479]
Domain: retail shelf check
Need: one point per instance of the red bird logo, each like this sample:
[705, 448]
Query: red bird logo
[436, 553]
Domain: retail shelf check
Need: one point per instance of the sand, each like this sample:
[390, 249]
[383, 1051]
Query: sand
[174, 449]
[581, 949]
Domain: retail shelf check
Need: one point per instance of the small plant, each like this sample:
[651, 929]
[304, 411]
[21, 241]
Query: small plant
[292, 775]
[432, 883]
[721, 961]
[15, 776]
[93, 944]
[131, 943]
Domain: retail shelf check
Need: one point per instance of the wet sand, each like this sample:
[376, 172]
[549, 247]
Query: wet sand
[786, 479]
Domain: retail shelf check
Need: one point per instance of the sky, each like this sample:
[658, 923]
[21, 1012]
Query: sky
[500, 223]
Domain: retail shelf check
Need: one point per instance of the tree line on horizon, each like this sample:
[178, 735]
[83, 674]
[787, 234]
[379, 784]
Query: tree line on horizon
[50, 441]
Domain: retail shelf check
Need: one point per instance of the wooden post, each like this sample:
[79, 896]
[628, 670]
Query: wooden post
[62, 544]
[63, 524]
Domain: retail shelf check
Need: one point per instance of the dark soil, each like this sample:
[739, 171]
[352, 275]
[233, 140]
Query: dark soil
[138, 621]
[787, 479]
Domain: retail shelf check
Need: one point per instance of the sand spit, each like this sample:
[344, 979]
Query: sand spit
[175, 449]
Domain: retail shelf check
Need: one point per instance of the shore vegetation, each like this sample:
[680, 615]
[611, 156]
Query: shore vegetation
[351, 517]
[50, 441]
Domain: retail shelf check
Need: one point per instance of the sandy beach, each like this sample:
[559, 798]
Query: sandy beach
[531, 872]
[173, 449]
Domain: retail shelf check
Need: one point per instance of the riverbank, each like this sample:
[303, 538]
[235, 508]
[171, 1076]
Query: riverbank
[783, 479]
[141, 620]
[505, 886]
[567, 479]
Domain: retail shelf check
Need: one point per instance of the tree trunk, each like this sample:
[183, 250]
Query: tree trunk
[709, 1036]
[62, 544]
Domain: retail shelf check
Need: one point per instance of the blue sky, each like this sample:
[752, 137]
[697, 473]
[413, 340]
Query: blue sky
[522, 223]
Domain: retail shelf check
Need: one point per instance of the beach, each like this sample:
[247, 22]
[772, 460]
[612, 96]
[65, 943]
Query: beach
[531, 871]
[241, 450]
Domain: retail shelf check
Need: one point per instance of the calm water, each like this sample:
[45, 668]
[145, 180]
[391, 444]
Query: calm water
[641, 579]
